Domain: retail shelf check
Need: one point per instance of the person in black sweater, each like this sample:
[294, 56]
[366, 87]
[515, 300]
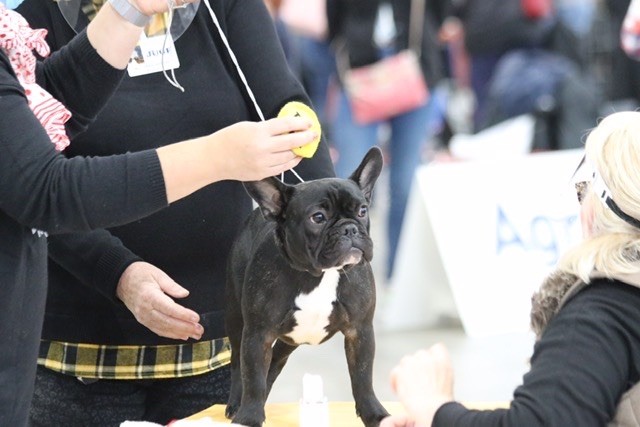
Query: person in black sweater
[585, 366]
[43, 193]
[90, 275]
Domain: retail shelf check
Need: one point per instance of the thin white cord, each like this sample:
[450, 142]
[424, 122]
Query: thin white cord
[235, 60]
[173, 80]
[293, 172]
[242, 76]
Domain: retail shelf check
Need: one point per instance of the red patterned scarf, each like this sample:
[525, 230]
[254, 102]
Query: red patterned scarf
[18, 41]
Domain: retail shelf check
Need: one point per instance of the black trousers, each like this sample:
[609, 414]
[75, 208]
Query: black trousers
[63, 400]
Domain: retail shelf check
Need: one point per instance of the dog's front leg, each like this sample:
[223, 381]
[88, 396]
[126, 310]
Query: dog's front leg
[279, 356]
[360, 349]
[255, 357]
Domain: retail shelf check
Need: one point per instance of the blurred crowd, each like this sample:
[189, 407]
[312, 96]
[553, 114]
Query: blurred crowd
[534, 56]
[485, 61]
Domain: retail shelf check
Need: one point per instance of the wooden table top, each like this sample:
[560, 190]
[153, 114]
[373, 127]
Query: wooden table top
[341, 414]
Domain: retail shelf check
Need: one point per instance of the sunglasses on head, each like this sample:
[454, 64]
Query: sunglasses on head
[581, 190]
[591, 178]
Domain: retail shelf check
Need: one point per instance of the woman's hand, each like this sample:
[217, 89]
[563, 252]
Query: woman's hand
[147, 292]
[397, 421]
[423, 382]
[114, 38]
[150, 7]
[245, 151]
[250, 151]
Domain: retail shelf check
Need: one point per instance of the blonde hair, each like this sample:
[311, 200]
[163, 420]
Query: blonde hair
[613, 247]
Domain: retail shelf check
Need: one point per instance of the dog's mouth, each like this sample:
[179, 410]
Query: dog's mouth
[353, 256]
[349, 257]
[341, 249]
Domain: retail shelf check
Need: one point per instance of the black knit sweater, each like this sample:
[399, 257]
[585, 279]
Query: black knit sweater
[41, 190]
[190, 239]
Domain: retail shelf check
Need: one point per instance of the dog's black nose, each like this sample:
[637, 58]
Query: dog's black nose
[350, 230]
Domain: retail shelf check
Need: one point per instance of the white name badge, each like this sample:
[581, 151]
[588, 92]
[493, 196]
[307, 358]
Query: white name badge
[151, 55]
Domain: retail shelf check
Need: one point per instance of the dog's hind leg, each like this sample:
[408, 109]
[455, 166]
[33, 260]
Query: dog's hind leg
[279, 357]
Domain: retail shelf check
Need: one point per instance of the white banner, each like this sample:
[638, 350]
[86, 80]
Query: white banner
[479, 237]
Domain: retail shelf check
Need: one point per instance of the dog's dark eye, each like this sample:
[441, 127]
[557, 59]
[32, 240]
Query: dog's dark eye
[363, 211]
[318, 218]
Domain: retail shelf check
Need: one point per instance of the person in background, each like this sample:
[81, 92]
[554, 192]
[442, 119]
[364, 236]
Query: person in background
[307, 23]
[624, 68]
[369, 30]
[585, 366]
[578, 15]
[43, 193]
[98, 364]
[291, 49]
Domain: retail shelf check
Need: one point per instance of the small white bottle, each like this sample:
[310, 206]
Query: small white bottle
[314, 409]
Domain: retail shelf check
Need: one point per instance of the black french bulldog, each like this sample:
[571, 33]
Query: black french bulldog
[298, 273]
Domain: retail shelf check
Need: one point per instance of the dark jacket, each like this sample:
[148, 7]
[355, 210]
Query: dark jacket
[487, 32]
[587, 358]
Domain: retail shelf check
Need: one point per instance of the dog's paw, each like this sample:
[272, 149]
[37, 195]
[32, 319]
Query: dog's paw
[373, 414]
[231, 410]
[247, 422]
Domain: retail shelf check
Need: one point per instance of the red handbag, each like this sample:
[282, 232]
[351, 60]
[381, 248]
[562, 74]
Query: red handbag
[387, 88]
[536, 9]
[392, 85]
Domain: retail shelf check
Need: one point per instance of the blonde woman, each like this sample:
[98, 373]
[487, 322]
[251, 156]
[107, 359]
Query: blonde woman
[586, 315]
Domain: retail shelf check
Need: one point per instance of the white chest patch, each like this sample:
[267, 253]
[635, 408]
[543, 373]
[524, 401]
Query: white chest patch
[314, 310]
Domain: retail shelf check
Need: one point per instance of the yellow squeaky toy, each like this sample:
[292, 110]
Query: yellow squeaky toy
[298, 109]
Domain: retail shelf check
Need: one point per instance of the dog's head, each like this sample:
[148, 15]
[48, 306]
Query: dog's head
[324, 223]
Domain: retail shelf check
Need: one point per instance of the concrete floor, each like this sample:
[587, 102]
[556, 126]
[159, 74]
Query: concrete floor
[486, 368]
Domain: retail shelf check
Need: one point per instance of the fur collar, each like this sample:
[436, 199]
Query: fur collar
[559, 287]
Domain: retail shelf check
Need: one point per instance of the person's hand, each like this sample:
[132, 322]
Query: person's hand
[244, 151]
[397, 421]
[146, 291]
[150, 7]
[423, 382]
[114, 36]
[250, 151]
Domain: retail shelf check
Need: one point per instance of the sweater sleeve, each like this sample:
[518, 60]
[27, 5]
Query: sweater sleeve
[96, 258]
[260, 55]
[78, 77]
[581, 366]
[44, 190]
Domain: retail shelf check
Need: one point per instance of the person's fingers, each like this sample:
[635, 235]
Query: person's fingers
[393, 379]
[281, 158]
[289, 141]
[170, 327]
[286, 125]
[439, 351]
[150, 7]
[171, 288]
[277, 170]
[174, 321]
[170, 308]
[396, 421]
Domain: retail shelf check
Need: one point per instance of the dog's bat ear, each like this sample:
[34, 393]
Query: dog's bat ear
[269, 194]
[368, 172]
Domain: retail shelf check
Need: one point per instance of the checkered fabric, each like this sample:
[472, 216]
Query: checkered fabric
[134, 362]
